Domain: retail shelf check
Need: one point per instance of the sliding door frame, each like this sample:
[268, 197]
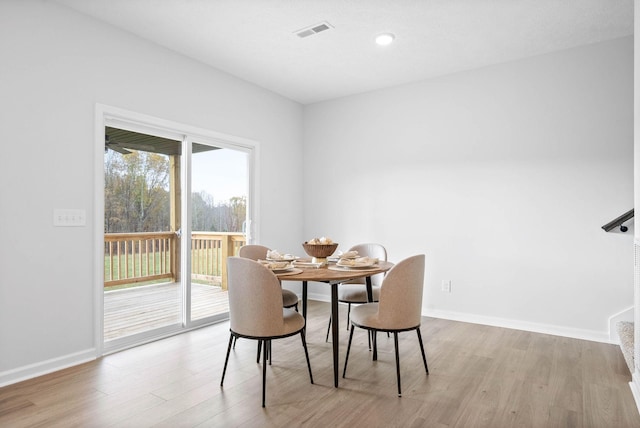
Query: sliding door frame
[116, 117]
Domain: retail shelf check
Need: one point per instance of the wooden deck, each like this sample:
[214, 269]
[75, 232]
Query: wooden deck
[135, 310]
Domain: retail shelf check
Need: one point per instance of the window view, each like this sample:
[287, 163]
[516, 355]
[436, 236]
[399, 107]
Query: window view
[142, 290]
[136, 192]
[143, 235]
[218, 215]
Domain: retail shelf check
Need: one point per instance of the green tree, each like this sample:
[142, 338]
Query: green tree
[137, 198]
[136, 192]
[202, 212]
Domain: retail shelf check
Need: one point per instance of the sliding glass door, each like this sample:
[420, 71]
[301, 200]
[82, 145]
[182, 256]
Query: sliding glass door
[142, 287]
[175, 207]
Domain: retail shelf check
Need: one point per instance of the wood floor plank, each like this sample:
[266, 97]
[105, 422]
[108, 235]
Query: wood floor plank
[480, 376]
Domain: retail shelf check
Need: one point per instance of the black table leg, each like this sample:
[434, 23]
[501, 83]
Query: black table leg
[304, 300]
[334, 330]
[369, 290]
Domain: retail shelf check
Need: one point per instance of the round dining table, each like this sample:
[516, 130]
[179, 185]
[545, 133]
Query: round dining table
[333, 275]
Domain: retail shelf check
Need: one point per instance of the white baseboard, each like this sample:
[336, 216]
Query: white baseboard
[44, 367]
[594, 336]
[319, 297]
[635, 388]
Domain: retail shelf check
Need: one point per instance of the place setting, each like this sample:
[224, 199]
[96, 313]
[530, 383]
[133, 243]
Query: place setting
[351, 260]
[280, 264]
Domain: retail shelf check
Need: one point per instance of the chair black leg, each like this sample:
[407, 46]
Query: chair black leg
[424, 358]
[235, 339]
[306, 354]
[226, 360]
[264, 370]
[344, 371]
[269, 351]
[326, 339]
[395, 342]
[265, 350]
[348, 314]
[374, 333]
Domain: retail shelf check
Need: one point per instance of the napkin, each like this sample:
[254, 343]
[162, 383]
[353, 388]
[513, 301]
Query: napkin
[349, 255]
[359, 261]
[275, 265]
[273, 255]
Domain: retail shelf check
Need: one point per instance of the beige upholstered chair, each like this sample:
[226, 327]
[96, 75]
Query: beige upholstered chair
[289, 298]
[259, 252]
[355, 291]
[399, 309]
[256, 312]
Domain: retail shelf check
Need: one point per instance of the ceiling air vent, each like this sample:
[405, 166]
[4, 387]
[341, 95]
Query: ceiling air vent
[314, 29]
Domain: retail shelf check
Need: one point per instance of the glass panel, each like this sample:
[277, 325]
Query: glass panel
[219, 183]
[142, 291]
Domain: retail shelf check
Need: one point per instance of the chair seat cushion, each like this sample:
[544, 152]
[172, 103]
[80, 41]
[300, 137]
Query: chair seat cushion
[367, 316]
[289, 298]
[293, 322]
[356, 293]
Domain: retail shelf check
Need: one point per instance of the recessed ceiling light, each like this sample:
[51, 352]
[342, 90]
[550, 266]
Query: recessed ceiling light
[385, 39]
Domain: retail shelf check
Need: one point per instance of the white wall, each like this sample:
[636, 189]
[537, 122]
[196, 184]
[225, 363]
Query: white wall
[635, 383]
[56, 65]
[502, 176]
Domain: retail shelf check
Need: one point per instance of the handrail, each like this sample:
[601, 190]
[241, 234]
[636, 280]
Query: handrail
[139, 257]
[618, 222]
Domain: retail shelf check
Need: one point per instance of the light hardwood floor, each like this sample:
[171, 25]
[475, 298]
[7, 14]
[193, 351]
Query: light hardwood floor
[479, 377]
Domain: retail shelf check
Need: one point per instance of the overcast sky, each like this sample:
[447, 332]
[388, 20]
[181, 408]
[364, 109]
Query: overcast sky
[221, 173]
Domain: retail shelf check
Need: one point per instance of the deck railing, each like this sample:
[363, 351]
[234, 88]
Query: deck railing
[209, 252]
[131, 258]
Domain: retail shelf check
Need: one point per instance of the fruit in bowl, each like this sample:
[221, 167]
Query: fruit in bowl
[320, 241]
[320, 249]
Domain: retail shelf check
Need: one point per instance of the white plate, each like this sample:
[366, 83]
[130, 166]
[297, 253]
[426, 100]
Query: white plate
[356, 265]
[283, 259]
[281, 270]
[276, 266]
[354, 269]
[307, 264]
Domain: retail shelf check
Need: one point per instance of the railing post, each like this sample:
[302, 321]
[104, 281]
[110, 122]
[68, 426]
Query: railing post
[227, 251]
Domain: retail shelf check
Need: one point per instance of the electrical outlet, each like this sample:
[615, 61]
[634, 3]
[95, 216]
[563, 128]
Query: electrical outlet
[446, 286]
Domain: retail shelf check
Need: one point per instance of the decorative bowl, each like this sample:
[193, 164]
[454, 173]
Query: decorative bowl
[319, 252]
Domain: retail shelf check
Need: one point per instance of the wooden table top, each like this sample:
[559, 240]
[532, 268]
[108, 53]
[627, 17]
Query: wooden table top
[325, 274]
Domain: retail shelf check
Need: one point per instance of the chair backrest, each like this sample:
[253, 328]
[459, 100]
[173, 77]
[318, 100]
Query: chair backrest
[255, 298]
[370, 250]
[401, 294]
[253, 252]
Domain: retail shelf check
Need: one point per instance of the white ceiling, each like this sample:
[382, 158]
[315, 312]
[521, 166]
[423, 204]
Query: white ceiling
[255, 39]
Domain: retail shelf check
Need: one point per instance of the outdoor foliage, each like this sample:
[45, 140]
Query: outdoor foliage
[137, 198]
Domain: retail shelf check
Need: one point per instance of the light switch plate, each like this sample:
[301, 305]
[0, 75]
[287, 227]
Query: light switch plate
[69, 217]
